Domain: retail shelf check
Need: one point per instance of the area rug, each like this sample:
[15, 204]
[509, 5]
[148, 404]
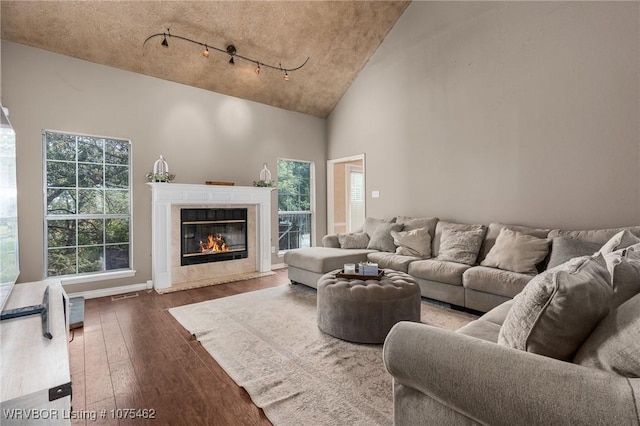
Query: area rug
[268, 342]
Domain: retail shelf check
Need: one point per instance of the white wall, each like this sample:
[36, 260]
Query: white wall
[203, 136]
[515, 112]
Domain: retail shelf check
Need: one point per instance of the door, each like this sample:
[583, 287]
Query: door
[345, 194]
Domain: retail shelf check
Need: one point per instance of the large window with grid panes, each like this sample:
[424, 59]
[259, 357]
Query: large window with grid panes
[87, 186]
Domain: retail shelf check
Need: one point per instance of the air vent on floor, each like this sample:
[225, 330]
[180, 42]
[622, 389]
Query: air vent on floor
[124, 296]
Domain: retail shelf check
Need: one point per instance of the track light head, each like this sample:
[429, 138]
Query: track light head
[286, 76]
[231, 61]
[164, 41]
[205, 53]
[257, 67]
[231, 49]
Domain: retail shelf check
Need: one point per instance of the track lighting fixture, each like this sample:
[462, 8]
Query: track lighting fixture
[230, 50]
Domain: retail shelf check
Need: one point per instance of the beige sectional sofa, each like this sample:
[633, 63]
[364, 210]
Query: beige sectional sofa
[473, 285]
[565, 351]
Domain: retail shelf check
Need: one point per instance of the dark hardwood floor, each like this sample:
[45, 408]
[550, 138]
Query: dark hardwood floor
[133, 355]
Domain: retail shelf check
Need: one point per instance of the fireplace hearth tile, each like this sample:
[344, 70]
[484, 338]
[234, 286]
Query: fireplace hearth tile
[214, 281]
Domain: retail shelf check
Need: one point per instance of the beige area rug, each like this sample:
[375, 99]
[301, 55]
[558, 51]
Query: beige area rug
[269, 343]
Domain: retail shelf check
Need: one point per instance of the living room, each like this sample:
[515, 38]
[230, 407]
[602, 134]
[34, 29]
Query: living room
[474, 112]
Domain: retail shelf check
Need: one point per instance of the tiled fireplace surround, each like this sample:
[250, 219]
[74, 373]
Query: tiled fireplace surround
[169, 198]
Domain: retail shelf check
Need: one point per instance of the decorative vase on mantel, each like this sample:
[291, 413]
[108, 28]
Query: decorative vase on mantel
[160, 171]
[265, 178]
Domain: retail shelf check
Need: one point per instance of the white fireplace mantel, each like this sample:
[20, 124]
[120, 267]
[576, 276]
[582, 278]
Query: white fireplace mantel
[166, 195]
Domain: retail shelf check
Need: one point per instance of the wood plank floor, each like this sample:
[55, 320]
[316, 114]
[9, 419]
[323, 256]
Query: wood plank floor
[132, 354]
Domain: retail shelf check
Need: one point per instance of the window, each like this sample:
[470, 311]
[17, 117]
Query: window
[295, 204]
[88, 204]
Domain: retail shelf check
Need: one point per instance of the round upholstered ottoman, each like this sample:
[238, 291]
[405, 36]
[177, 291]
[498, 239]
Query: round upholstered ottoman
[364, 311]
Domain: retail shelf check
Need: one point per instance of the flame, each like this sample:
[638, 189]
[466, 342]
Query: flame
[214, 244]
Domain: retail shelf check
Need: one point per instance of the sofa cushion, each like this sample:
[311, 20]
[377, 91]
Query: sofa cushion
[494, 230]
[564, 249]
[409, 223]
[559, 308]
[615, 343]
[415, 242]
[593, 235]
[624, 267]
[517, 252]
[323, 259]
[435, 238]
[498, 314]
[621, 240]
[391, 260]
[460, 246]
[495, 281]
[382, 239]
[479, 329]
[359, 240]
[438, 270]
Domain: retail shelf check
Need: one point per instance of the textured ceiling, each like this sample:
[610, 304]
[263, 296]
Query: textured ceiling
[339, 37]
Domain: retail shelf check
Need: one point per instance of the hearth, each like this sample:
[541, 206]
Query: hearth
[212, 235]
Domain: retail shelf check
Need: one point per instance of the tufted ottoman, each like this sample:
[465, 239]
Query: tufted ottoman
[364, 311]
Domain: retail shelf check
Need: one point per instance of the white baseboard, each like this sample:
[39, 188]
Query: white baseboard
[104, 292]
[278, 266]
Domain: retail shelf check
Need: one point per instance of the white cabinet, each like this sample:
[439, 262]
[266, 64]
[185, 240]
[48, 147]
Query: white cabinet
[35, 381]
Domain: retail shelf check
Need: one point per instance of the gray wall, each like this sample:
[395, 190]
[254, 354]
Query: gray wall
[203, 135]
[515, 112]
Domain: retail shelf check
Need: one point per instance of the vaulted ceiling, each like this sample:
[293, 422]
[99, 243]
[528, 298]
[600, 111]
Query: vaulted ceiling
[339, 37]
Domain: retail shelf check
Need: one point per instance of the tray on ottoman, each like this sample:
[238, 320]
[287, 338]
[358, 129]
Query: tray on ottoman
[358, 276]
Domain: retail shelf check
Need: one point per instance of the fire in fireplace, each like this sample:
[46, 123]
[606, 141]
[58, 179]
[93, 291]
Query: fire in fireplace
[213, 235]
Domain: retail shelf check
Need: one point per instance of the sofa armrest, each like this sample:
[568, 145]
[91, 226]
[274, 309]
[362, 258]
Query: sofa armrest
[331, 240]
[497, 385]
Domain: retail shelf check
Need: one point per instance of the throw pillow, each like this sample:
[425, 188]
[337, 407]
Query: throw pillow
[517, 252]
[622, 239]
[460, 246]
[615, 343]
[558, 309]
[564, 249]
[382, 239]
[624, 267]
[371, 223]
[358, 240]
[416, 242]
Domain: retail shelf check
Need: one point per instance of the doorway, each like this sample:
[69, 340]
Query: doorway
[345, 194]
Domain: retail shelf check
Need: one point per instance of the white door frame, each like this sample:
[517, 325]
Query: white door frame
[330, 182]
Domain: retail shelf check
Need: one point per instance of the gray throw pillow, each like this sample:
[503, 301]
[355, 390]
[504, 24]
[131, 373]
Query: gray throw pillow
[622, 239]
[564, 249]
[371, 224]
[460, 246]
[382, 239]
[624, 268]
[359, 240]
[558, 309]
[615, 343]
[517, 252]
[416, 242]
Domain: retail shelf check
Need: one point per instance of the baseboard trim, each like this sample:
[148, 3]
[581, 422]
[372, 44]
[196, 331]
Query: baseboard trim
[278, 266]
[111, 291]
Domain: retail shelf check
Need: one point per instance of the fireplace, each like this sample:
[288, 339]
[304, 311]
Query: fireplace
[212, 235]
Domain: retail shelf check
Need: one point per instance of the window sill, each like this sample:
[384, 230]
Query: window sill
[82, 279]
